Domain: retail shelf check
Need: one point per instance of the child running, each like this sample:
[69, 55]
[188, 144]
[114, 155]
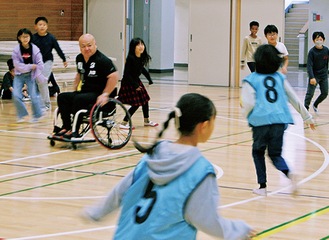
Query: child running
[132, 90]
[264, 99]
[173, 192]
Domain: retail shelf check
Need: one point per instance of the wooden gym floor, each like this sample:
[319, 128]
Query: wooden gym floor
[43, 189]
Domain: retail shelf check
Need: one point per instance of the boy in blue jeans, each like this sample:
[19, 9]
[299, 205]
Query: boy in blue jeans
[317, 69]
[264, 99]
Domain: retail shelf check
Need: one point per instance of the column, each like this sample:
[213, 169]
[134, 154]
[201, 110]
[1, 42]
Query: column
[161, 41]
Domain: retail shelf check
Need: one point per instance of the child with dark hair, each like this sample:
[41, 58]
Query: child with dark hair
[8, 78]
[28, 65]
[317, 69]
[132, 90]
[46, 42]
[8, 81]
[172, 193]
[271, 33]
[249, 46]
[264, 99]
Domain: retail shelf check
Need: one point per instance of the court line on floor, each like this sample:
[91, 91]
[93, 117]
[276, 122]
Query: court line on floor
[62, 164]
[285, 225]
[303, 181]
[303, 218]
[219, 174]
[64, 233]
[269, 232]
[313, 175]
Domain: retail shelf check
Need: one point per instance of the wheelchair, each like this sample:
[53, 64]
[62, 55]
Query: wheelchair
[102, 121]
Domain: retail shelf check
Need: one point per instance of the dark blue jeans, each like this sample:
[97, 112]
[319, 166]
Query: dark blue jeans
[323, 83]
[268, 137]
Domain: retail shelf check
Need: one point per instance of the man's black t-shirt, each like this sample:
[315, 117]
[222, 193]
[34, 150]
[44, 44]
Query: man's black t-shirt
[94, 72]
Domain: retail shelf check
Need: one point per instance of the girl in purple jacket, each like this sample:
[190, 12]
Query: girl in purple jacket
[28, 64]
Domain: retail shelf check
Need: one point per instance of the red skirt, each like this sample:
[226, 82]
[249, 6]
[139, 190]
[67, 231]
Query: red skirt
[129, 95]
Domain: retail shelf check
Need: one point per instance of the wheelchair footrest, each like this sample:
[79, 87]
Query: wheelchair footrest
[72, 140]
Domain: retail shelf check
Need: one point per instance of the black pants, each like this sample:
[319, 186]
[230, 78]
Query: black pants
[54, 88]
[71, 102]
[270, 137]
[133, 109]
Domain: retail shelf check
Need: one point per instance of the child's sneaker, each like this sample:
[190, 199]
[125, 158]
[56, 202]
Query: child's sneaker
[26, 99]
[126, 126]
[260, 191]
[20, 120]
[294, 183]
[150, 124]
[316, 110]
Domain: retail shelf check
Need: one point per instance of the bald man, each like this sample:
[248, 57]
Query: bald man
[95, 82]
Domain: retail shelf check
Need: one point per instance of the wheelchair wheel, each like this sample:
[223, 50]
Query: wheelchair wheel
[105, 124]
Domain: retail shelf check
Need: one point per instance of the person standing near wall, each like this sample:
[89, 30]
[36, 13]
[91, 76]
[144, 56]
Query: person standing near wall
[317, 69]
[46, 42]
[249, 46]
[271, 34]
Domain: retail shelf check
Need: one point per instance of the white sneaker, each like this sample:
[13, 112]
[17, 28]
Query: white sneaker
[151, 124]
[123, 126]
[26, 99]
[260, 191]
[35, 120]
[316, 110]
[20, 120]
[294, 183]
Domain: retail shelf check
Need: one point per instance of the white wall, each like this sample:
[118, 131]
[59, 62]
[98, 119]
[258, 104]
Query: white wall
[265, 12]
[105, 20]
[162, 24]
[209, 42]
[320, 7]
[181, 31]
[182, 22]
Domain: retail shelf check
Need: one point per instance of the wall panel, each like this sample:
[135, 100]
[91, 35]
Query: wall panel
[22, 14]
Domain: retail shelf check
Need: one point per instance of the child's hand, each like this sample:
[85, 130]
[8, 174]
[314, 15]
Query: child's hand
[252, 234]
[284, 70]
[313, 81]
[312, 126]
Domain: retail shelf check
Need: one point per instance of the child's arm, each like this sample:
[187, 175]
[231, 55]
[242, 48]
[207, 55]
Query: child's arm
[285, 63]
[247, 98]
[310, 64]
[243, 52]
[111, 202]
[282, 48]
[295, 102]
[20, 66]
[60, 52]
[206, 217]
